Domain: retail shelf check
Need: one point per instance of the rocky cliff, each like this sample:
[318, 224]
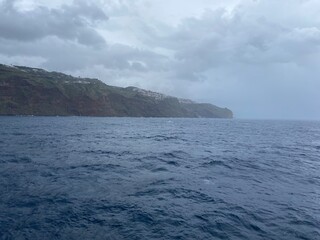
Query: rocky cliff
[32, 91]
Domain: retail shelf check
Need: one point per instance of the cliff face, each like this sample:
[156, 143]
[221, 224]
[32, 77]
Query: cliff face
[30, 91]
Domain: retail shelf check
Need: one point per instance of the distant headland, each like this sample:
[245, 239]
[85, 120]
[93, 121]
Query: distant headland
[34, 91]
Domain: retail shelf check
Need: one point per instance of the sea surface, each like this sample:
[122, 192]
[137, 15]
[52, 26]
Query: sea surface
[137, 178]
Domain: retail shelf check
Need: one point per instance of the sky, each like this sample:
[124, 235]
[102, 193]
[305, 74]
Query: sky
[260, 58]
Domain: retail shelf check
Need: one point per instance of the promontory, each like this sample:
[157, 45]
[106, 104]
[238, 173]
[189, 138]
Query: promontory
[33, 91]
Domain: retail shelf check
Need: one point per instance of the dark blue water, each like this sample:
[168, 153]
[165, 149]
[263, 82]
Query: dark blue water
[122, 178]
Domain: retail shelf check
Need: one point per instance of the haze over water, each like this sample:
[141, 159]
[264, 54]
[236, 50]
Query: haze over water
[132, 178]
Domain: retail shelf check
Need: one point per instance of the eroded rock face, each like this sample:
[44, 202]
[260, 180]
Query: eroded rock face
[30, 91]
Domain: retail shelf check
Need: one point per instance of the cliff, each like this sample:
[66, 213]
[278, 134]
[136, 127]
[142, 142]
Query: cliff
[32, 91]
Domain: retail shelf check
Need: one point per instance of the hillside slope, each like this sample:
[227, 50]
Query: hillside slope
[32, 91]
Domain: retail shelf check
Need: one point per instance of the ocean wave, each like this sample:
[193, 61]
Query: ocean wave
[108, 178]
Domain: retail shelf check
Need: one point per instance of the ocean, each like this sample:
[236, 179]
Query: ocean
[158, 178]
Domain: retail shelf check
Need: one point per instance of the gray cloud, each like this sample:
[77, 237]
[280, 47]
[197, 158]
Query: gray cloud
[217, 39]
[70, 22]
[247, 55]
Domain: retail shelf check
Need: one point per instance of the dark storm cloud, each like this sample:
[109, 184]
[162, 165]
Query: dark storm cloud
[70, 22]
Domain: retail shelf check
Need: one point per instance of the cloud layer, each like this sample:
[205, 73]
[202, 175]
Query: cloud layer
[251, 56]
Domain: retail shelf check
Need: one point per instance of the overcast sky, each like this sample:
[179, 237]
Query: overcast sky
[260, 58]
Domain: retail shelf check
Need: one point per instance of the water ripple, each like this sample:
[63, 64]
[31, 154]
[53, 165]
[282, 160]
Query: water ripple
[120, 178]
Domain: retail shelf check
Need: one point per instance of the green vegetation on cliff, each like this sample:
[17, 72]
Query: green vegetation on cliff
[32, 91]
